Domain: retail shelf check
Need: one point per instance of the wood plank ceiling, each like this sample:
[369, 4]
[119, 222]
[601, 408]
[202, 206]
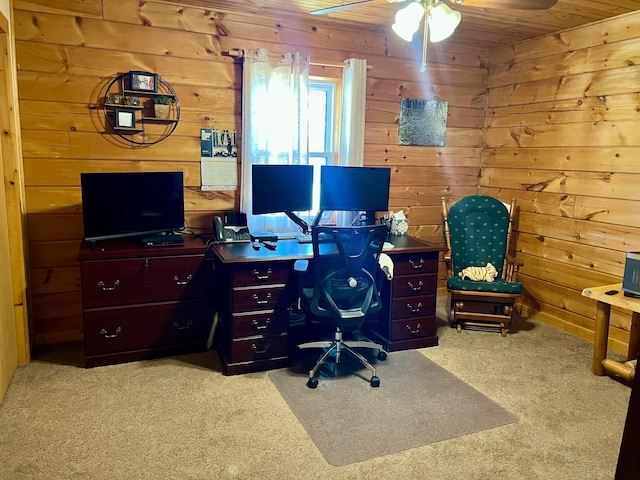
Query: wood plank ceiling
[480, 27]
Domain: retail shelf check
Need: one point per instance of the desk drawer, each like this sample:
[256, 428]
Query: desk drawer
[411, 285]
[259, 323]
[268, 298]
[407, 328]
[261, 273]
[141, 280]
[416, 306]
[110, 330]
[410, 264]
[258, 348]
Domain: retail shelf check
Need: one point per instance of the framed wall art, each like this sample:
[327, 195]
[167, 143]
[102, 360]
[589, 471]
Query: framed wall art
[125, 118]
[422, 122]
[143, 81]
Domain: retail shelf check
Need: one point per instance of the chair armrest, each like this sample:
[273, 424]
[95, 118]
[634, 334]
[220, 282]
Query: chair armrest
[448, 263]
[301, 266]
[511, 267]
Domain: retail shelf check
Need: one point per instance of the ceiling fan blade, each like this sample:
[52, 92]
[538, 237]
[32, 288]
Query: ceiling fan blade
[347, 6]
[515, 4]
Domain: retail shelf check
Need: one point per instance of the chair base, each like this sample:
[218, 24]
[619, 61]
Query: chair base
[486, 311]
[335, 348]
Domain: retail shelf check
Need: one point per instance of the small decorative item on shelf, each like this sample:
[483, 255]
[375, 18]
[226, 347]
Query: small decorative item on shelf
[132, 101]
[114, 99]
[162, 106]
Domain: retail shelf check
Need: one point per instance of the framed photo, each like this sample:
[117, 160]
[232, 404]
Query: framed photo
[143, 81]
[125, 118]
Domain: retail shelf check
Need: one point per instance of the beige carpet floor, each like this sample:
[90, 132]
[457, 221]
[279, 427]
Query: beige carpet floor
[180, 418]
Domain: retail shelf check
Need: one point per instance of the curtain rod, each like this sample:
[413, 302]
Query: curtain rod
[238, 54]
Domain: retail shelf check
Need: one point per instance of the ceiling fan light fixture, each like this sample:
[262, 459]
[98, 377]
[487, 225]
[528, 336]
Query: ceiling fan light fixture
[442, 22]
[408, 20]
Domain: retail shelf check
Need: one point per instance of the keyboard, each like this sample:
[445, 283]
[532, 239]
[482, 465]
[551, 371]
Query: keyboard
[322, 238]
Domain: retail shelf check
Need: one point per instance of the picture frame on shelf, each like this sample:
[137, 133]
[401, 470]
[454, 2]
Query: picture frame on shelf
[143, 81]
[125, 118]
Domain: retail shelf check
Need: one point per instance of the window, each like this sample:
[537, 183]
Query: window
[323, 125]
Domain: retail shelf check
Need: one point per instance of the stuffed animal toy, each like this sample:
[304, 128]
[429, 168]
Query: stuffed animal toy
[479, 274]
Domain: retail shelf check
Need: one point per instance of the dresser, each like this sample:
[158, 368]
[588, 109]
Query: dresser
[410, 297]
[255, 290]
[141, 303]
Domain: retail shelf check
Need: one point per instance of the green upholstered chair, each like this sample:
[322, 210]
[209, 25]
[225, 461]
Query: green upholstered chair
[477, 230]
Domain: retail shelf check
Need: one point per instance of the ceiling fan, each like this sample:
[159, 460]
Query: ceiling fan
[440, 20]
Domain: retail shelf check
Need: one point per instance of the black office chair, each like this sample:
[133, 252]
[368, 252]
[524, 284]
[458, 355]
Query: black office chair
[344, 290]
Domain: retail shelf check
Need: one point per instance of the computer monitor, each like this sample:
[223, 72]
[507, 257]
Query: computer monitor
[364, 189]
[282, 188]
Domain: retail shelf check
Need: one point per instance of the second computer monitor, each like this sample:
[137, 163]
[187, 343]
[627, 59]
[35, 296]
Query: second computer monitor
[355, 189]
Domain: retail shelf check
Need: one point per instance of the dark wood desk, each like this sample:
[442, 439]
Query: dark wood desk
[255, 291]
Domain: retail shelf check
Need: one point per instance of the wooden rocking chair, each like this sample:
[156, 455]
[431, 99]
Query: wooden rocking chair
[478, 231]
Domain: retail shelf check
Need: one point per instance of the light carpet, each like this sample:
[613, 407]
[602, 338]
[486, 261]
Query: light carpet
[417, 403]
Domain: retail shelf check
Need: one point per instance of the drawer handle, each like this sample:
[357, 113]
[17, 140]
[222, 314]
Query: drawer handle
[264, 350]
[108, 289]
[413, 332]
[178, 282]
[414, 309]
[105, 334]
[264, 326]
[262, 276]
[417, 265]
[184, 326]
[415, 288]
[261, 302]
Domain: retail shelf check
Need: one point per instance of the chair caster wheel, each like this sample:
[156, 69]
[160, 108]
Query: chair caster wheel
[375, 381]
[312, 382]
[382, 355]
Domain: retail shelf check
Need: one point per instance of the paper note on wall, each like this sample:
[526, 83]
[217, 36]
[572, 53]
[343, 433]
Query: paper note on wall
[216, 172]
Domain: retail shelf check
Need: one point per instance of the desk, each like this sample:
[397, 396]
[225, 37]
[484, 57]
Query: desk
[601, 364]
[255, 291]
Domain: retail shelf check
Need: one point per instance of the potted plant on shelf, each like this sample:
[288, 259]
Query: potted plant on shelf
[162, 106]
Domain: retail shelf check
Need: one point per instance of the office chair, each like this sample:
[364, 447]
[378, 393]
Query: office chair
[344, 291]
[478, 232]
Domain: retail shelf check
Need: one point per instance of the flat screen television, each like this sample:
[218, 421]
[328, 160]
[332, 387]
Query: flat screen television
[118, 205]
[281, 188]
[363, 189]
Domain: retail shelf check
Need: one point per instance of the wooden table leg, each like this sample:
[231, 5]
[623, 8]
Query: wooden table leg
[601, 338]
[634, 337]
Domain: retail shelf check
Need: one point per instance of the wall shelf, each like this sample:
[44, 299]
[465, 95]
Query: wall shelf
[148, 128]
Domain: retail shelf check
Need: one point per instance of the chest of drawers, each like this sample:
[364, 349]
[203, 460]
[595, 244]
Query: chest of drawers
[411, 297]
[252, 301]
[141, 303]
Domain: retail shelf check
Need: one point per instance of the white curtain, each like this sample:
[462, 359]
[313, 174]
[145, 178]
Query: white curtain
[275, 105]
[354, 100]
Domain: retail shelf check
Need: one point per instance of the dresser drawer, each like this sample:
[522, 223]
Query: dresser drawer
[267, 298]
[408, 328]
[110, 330]
[141, 280]
[258, 348]
[409, 285]
[259, 323]
[413, 263]
[416, 306]
[261, 273]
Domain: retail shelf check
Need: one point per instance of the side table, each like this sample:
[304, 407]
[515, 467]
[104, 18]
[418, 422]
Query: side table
[601, 364]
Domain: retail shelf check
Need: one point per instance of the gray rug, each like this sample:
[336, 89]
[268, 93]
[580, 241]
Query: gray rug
[417, 403]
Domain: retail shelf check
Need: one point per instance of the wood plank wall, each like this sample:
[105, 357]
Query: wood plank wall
[563, 138]
[68, 51]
